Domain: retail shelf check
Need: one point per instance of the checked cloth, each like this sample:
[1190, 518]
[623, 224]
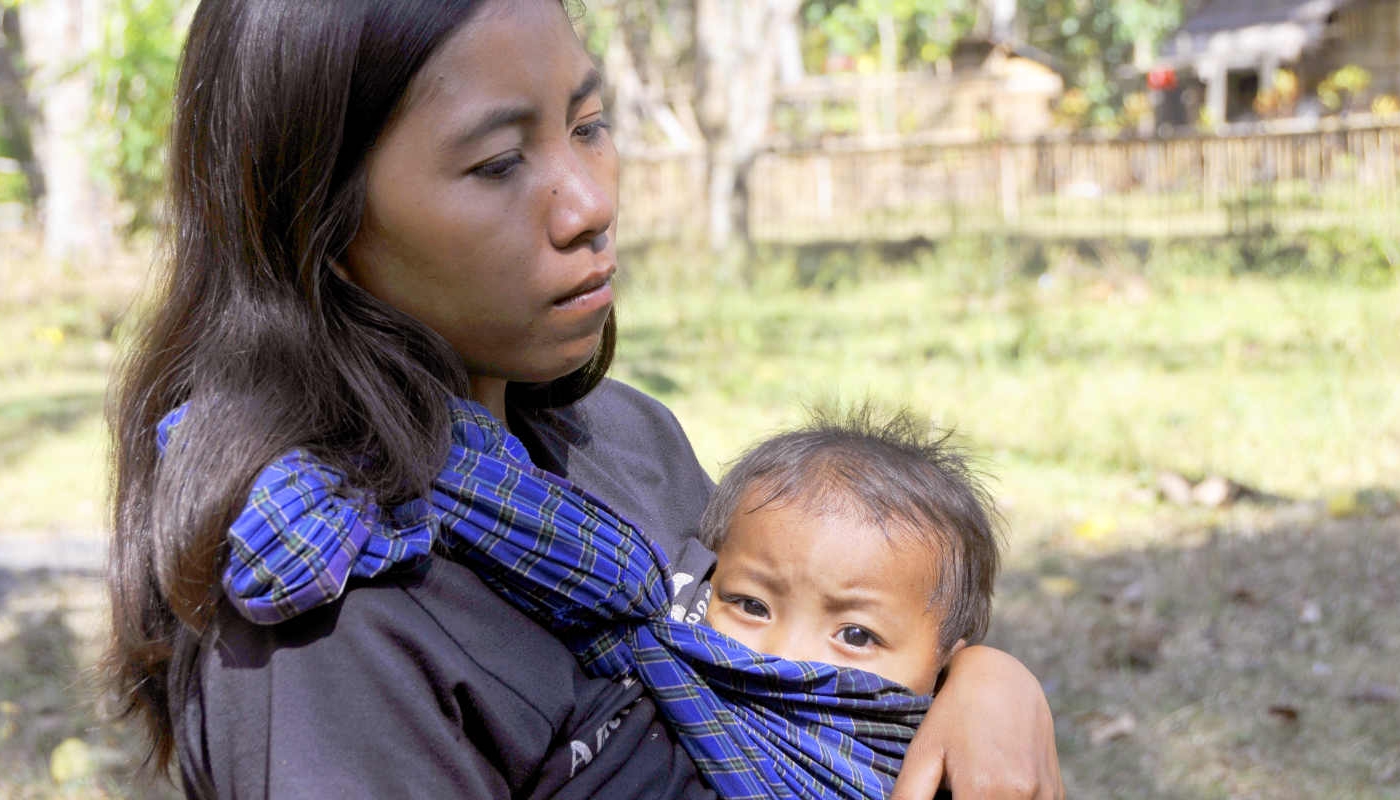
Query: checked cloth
[757, 726]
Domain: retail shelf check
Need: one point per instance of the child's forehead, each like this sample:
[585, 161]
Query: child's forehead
[857, 523]
[831, 498]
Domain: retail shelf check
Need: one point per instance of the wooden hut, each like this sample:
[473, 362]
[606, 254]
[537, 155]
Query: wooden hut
[1230, 51]
[986, 89]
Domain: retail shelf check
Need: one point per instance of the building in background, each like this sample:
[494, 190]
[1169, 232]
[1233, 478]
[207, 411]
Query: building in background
[985, 89]
[1225, 59]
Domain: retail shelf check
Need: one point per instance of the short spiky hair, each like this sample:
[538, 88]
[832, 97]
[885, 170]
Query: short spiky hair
[896, 473]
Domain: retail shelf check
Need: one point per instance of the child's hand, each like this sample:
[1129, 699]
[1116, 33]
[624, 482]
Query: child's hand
[989, 734]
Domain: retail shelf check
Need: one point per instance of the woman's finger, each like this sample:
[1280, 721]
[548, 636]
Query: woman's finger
[988, 736]
[922, 771]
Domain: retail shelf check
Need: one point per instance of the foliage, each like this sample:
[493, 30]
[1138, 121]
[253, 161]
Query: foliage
[1096, 42]
[925, 30]
[8, 50]
[1386, 106]
[1279, 99]
[134, 77]
[656, 28]
[1342, 90]
[13, 187]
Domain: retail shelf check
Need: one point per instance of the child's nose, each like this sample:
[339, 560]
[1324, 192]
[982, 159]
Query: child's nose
[794, 643]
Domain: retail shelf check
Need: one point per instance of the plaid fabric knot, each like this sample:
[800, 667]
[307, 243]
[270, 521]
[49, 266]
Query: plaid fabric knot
[756, 726]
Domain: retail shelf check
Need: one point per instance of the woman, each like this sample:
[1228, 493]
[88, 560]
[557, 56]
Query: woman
[379, 204]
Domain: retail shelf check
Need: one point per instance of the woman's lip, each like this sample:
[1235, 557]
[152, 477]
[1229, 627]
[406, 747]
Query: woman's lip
[594, 290]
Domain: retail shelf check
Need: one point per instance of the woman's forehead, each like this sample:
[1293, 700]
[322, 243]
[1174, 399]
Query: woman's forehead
[502, 50]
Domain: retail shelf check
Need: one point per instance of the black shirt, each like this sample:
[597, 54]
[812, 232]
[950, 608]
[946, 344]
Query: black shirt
[430, 685]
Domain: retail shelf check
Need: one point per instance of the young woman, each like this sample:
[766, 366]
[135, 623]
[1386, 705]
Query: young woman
[380, 206]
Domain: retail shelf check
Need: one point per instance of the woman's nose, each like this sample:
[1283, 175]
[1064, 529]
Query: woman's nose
[582, 200]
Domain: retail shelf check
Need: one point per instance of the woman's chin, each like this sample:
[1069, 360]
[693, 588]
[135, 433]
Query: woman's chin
[571, 360]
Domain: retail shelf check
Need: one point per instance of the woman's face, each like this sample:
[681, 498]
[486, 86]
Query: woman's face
[492, 196]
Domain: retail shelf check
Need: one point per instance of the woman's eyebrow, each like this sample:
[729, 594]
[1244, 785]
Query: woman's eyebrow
[493, 120]
[506, 116]
[590, 84]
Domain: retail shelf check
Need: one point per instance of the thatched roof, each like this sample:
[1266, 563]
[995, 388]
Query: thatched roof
[1244, 33]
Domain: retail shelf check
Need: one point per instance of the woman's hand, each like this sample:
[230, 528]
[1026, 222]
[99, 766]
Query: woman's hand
[989, 734]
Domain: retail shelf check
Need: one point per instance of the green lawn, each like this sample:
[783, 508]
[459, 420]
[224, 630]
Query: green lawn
[56, 349]
[1245, 651]
[1188, 652]
[1075, 391]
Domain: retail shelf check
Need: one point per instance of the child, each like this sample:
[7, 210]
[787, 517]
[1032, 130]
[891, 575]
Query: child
[854, 542]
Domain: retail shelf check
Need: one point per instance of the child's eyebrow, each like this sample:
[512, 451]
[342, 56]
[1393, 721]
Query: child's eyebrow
[855, 598]
[762, 577]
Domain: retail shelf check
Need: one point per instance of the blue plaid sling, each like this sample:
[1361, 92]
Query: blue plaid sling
[756, 726]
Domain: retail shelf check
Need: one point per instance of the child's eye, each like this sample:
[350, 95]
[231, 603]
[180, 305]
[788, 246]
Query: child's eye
[856, 636]
[752, 607]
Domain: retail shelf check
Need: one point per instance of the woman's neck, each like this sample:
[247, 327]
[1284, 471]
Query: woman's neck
[490, 392]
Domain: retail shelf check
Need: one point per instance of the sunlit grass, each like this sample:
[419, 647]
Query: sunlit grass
[1073, 379]
[1074, 392]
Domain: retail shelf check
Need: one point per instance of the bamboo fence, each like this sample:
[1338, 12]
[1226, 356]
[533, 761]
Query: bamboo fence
[1341, 175]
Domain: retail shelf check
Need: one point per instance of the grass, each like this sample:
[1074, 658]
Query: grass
[1176, 644]
[56, 348]
[1232, 662]
[1076, 388]
[1188, 652]
[1296, 207]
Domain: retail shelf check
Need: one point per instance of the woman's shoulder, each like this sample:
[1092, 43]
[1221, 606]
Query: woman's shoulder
[621, 414]
[433, 657]
[620, 431]
[629, 450]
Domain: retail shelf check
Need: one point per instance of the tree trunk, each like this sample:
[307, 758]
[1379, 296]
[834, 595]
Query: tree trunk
[736, 65]
[57, 35]
[1003, 20]
[17, 121]
[636, 100]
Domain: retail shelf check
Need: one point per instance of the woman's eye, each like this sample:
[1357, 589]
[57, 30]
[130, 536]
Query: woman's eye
[856, 636]
[590, 131]
[499, 168]
[752, 607]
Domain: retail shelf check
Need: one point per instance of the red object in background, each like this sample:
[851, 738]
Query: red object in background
[1161, 79]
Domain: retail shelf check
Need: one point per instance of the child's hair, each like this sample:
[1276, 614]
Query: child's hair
[895, 473]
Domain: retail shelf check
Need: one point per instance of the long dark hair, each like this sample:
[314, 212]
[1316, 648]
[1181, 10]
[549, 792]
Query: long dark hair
[277, 105]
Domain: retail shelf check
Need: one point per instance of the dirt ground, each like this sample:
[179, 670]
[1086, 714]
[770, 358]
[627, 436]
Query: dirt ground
[1256, 658]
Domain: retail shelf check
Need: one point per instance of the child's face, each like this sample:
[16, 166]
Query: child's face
[827, 586]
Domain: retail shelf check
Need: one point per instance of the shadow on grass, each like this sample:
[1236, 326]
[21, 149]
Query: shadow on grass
[25, 420]
[1237, 663]
[50, 623]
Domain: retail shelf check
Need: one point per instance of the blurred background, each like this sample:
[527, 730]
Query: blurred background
[1141, 254]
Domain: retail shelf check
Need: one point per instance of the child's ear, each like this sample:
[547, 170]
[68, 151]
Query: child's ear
[948, 657]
